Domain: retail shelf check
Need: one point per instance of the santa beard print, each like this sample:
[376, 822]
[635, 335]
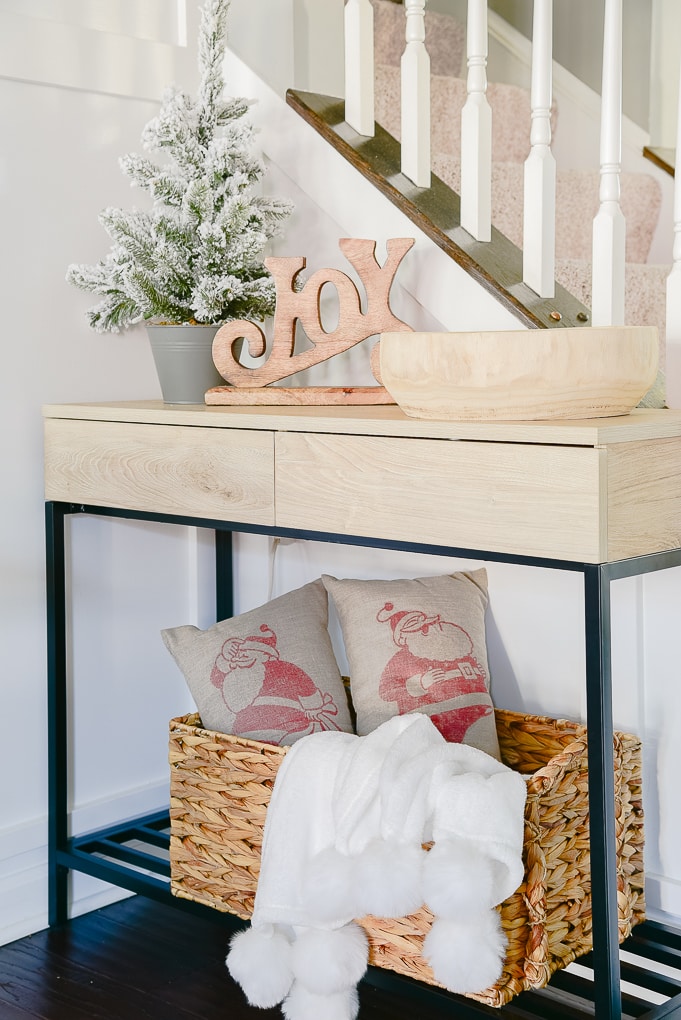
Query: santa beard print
[435, 664]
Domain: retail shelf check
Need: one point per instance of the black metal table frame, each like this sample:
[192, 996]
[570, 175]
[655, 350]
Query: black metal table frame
[104, 855]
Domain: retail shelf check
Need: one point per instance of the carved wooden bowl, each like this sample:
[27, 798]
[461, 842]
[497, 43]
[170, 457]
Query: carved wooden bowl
[520, 375]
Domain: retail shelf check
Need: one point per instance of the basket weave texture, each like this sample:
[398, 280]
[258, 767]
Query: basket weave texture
[221, 785]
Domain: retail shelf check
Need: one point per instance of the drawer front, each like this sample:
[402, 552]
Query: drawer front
[505, 497]
[223, 474]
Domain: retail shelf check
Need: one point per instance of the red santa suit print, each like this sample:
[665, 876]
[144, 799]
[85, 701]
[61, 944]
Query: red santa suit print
[287, 699]
[435, 663]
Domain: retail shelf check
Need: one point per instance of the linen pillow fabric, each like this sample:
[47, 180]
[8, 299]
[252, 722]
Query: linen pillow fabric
[418, 645]
[269, 674]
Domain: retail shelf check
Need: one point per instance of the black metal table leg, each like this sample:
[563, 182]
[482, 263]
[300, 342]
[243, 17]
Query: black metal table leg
[224, 574]
[607, 993]
[56, 710]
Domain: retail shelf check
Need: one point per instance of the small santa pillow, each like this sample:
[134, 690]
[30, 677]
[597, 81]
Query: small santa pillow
[419, 646]
[269, 674]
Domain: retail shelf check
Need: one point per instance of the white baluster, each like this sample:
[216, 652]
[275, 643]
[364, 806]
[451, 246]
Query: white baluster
[609, 230]
[415, 72]
[673, 324]
[539, 209]
[476, 131]
[359, 66]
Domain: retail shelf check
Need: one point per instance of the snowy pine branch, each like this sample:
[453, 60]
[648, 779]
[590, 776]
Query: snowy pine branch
[114, 314]
[197, 254]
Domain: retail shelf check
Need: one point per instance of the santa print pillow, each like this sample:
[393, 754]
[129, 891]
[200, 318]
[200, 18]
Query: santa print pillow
[269, 674]
[418, 645]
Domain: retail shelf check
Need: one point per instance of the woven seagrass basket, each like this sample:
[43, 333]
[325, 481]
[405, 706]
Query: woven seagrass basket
[221, 785]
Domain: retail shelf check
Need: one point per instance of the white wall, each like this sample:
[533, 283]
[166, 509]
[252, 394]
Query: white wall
[68, 110]
[57, 170]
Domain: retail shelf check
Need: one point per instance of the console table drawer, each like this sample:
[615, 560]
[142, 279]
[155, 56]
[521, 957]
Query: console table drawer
[506, 497]
[213, 473]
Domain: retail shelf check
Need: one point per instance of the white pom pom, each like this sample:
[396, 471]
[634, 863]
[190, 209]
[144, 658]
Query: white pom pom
[330, 891]
[259, 959]
[458, 879]
[301, 1004]
[388, 877]
[466, 956]
[330, 961]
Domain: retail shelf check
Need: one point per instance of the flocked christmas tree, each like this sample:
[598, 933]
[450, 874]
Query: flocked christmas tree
[197, 254]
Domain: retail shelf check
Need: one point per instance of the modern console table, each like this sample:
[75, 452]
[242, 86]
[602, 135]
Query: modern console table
[601, 498]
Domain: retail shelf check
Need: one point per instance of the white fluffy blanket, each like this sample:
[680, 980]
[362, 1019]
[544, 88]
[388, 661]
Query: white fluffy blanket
[343, 838]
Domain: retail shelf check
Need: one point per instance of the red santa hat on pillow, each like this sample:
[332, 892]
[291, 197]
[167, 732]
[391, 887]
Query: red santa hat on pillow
[265, 643]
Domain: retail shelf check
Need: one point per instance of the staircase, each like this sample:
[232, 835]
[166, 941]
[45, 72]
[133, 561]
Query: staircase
[498, 264]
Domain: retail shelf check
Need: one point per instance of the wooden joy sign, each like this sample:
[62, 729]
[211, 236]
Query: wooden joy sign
[247, 385]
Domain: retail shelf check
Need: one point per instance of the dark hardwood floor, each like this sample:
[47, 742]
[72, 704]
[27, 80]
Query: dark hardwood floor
[140, 960]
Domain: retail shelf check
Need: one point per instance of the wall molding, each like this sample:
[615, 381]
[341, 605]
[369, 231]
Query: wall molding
[71, 56]
[23, 862]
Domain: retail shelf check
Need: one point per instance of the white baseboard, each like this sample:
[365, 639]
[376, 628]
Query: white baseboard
[23, 881]
[23, 862]
[663, 899]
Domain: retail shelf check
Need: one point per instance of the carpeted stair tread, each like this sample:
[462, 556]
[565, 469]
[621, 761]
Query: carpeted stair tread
[576, 206]
[445, 38]
[511, 114]
[645, 289]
